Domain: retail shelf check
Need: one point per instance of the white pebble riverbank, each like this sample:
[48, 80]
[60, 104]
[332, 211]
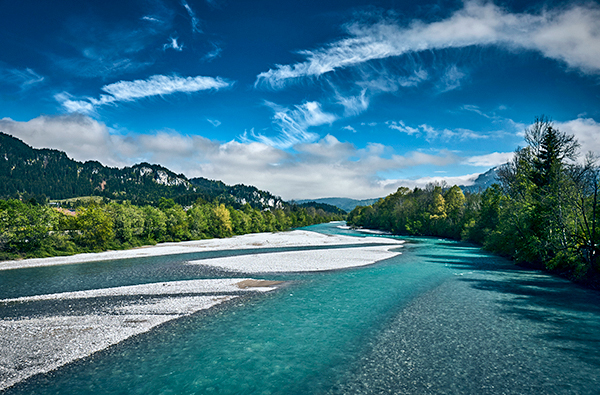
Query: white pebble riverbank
[296, 238]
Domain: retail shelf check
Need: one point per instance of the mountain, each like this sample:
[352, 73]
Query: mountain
[345, 204]
[47, 173]
[483, 181]
[238, 195]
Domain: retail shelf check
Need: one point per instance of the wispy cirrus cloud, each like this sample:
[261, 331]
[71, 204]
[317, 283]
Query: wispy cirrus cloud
[212, 55]
[193, 18]
[23, 79]
[567, 34]
[451, 79]
[150, 18]
[431, 133]
[214, 122]
[293, 124]
[103, 47]
[126, 91]
[353, 105]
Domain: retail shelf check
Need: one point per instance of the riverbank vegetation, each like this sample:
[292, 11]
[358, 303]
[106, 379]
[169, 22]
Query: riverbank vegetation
[30, 229]
[543, 212]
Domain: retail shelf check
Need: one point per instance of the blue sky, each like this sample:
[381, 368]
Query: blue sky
[305, 99]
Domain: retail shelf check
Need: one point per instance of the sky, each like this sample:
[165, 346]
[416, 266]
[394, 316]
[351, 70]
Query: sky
[306, 99]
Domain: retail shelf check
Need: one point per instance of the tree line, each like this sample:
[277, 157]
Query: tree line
[543, 212]
[29, 229]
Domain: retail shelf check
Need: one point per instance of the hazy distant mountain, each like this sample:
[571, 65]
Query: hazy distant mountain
[483, 181]
[345, 204]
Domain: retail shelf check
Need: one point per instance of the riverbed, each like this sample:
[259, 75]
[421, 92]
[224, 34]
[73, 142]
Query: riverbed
[435, 317]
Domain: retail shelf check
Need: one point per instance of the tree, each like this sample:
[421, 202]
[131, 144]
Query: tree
[221, 225]
[455, 203]
[23, 227]
[94, 227]
[199, 217]
[587, 180]
[177, 223]
[155, 224]
[128, 221]
[488, 216]
[548, 149]
[437, 209]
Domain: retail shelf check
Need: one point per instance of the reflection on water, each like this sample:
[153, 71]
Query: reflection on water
[440, 318]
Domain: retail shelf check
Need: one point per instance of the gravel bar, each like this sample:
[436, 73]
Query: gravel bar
[301, 261]
[40, 344]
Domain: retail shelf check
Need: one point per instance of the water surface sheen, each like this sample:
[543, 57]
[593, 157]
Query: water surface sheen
[440, 318]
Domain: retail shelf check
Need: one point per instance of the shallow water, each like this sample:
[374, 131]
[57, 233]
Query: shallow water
[440, 318]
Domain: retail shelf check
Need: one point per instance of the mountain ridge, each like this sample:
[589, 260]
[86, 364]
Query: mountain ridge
[48, 173]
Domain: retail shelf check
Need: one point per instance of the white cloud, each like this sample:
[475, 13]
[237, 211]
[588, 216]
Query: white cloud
[401, 127]
[415, 79]
[157, 85]
[422, 182]
[585, 130]
[74, 106]
[293, 124]
[476, 110]
[80, 136]
[489, 160]
[567, 34]
[354, 105]
[162, 85]
[173, 44]
[151, 19]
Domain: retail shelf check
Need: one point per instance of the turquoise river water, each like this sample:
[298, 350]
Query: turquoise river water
[442, 317]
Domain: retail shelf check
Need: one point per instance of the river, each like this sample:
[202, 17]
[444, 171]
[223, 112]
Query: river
[442, 317]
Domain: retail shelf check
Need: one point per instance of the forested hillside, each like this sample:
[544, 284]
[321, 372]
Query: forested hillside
[543, 211]
[42, 174]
